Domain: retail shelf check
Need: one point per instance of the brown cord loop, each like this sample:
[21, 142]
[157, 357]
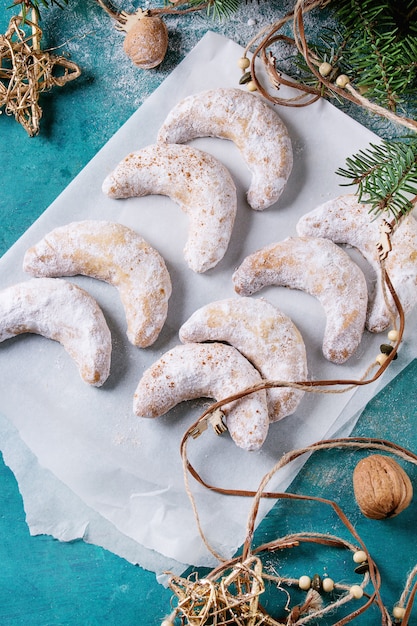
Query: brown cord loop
[268, 36]
[356, 443]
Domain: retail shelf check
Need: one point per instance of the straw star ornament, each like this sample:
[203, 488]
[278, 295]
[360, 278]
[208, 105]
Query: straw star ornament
[26, 71]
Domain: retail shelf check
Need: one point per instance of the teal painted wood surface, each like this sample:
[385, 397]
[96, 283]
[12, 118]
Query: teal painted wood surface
[47, 583]
[391, 415]
[44, 582]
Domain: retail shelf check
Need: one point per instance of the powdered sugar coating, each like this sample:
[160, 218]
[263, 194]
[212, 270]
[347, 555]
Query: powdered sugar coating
[214, 370]
[199, 183]
[117, 255]
[62, 311]
[344, 220]
[322, 269]
[253, 126]
[264, 335]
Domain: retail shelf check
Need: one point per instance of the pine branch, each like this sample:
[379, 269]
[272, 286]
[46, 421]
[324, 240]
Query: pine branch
[222, 8]
[217, 9]
[386, 176]
[27, 5]
[381, 51]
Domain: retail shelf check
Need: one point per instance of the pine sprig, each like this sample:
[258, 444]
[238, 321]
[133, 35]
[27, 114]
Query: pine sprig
[386, 176]
[219, 9]
[36, 5]
[381, 51]
[216, 9]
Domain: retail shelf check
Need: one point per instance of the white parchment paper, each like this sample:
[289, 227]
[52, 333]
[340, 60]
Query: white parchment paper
[86, 466]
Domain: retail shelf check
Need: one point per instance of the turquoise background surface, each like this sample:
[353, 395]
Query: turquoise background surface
[47, 583]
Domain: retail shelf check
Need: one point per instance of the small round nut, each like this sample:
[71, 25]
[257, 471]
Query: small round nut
[146, 42]
[382, 488]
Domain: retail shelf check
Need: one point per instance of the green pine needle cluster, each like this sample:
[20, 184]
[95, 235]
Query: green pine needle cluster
[218, 9]
[27, 5]
[386, 176]
[375, 44]
[380, 47]
[215, 8]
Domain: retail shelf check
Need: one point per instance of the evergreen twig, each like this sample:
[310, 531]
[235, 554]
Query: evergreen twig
[386, 176]
[381, 55]
[218, 9]
[27, 5]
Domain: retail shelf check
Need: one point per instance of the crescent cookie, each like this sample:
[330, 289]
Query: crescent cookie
[344, 220]
[62, 311]
[322, 269]
[214, 370]
[117, 255]
[199, 183]
[254, 127]
[264, 335]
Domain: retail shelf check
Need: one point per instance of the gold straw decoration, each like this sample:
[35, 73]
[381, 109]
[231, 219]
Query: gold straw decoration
[26, 70]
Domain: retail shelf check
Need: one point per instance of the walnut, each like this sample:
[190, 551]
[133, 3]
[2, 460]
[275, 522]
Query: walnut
[382, 488]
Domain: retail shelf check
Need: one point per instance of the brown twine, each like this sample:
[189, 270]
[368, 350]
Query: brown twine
[410, 590]
[212, 598]
[26, 71]
[116, 13]
[308, 94]
[317, 386]
[302, 615]
[354, 443]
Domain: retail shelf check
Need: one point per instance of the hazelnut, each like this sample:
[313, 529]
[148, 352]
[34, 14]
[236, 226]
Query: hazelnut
[382, 488]
[146, 42]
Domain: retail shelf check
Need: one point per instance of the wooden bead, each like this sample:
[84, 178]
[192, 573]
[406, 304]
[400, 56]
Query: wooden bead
[381, 358]
[342, 80]
[356, 592]
[325, 68]
[398, 612]
[327, 584]
[251, 86]
[360, 556]
[393, 335]
[304, 582]
[243, 63]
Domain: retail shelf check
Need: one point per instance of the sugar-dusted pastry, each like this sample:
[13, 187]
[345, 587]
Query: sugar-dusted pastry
[264, 335]
[196, 181]
[344, 220]
[212, 370]
[118, 255]
[62, 311]
[250, 123]
[322, 269]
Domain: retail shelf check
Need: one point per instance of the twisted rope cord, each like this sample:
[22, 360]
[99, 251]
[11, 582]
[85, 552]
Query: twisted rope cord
[350, 443]
[268, 36]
